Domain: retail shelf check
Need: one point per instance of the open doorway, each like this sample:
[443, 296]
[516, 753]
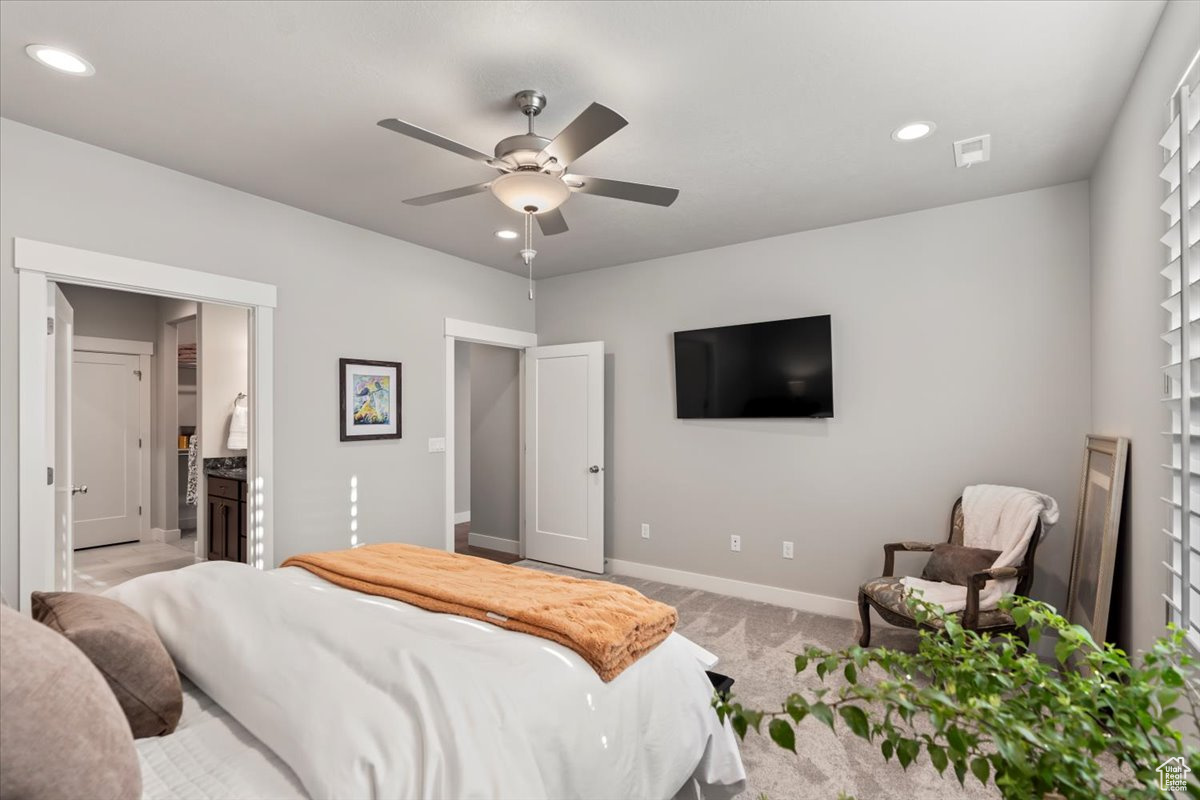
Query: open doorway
[157, 410]
[487, 460]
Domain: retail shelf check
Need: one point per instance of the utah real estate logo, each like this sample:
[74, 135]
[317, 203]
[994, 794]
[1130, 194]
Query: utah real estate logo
[1172, 775]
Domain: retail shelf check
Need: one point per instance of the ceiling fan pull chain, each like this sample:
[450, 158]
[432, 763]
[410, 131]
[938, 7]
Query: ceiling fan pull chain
[528, 253]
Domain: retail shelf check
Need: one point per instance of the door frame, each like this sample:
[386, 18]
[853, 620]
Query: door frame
[457, 330]
[143, 351]
[38, 264]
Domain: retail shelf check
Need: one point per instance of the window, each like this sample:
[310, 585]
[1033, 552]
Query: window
[1181, 152]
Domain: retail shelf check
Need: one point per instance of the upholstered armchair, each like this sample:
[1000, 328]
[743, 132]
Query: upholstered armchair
[886, 594]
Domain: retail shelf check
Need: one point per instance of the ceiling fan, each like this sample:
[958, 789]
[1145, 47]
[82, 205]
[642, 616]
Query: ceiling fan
[533, 169]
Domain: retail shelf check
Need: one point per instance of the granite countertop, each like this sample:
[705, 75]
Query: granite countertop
[232, 473]
[230, 467]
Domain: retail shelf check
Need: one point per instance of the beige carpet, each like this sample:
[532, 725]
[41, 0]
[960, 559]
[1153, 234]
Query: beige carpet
[757, 644]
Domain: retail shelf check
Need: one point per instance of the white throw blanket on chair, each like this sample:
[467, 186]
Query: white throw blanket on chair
[994, 518]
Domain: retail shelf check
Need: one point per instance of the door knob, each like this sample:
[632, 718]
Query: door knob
[79, 489]
[593, 469]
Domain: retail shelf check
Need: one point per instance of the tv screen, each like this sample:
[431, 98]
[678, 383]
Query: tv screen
[765, 369]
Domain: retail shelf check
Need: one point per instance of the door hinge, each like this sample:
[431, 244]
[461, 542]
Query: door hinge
[138, 372]
[49, 326]
[139, 511]
[139, 443]
[49, 476]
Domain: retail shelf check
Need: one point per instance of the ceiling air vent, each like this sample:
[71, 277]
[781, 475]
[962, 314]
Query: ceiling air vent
[976, 150]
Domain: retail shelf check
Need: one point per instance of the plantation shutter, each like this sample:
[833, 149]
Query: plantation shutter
[1181, 153]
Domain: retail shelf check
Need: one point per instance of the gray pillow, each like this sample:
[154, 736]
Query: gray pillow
[953, 563]
[127, 651]
[62, 732]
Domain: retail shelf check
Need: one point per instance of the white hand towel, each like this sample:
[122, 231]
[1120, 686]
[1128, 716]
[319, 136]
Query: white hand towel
[994, 518]
[239, 425]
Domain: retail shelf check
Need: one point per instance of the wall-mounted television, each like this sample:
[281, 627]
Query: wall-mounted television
[782, 368]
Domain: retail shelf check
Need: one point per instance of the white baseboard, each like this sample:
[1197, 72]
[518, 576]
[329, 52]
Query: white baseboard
[775, 595]
[493, 543]
[462, 516]
[163, 535]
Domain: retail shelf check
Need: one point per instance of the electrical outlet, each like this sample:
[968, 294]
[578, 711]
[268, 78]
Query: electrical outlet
[735, 543]
[645, 530]
[787, 550]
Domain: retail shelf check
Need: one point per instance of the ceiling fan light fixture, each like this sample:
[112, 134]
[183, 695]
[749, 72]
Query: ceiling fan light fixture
[529, 190]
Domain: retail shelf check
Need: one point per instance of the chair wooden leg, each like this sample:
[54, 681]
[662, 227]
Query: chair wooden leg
[864, 614]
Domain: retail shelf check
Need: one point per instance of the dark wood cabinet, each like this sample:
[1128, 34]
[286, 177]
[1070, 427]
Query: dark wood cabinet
[227, 526]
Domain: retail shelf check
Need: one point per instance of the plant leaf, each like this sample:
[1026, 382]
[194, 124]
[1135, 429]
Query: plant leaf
[1063, 649]
[958, 744]
[857, 720]
[981, 769]
[937, 755]
[739, 725]
[823, 713]
[782, 734]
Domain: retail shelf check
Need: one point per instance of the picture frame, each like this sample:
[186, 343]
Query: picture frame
[370, 393]
[1097, 526]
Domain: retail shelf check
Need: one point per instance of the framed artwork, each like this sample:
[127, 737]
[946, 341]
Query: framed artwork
[1096, 527]
[370, 399]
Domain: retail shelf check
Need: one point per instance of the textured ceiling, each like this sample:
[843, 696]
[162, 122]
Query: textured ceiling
[770, 117]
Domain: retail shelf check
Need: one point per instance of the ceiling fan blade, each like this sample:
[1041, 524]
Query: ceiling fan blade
[449, 194]
[589, 129]
[552, 222]
[623, 190]
[429, 137]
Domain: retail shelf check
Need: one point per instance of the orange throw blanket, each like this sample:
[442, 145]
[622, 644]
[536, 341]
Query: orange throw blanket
[609, 625]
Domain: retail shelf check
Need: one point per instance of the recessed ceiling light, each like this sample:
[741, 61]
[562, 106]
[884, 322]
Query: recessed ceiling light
[507, 234]
[912, 131]
[59, 59]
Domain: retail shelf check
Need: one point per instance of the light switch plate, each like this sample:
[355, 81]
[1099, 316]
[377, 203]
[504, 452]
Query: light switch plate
[437, 445]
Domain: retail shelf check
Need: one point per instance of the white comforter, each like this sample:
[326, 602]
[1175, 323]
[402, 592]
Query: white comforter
[366, 697]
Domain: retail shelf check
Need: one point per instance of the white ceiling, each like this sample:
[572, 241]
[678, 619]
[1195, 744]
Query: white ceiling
[770, 117]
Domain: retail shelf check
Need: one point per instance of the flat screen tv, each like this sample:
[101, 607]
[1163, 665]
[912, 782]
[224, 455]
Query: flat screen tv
[782, 368]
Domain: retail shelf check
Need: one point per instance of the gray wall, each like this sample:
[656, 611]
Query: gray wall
[1127, 353]
[224, 372]
[961, 356]
[462, 427]
[495, 441]
[343, 291]
[113, 315]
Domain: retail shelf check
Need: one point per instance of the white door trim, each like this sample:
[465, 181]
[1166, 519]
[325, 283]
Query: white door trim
[478, 333]
[99, 344]
[39, 263]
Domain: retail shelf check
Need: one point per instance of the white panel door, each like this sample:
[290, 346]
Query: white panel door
[564, 455]
[106, 423]
[58, 415]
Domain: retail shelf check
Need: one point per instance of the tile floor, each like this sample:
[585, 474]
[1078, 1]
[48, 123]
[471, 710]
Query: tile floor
[99, 568]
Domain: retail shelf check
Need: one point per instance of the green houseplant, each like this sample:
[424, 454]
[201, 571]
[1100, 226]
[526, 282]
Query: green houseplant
[1093, 724]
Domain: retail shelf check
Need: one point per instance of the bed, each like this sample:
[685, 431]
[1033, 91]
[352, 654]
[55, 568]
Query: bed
[344, 695]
